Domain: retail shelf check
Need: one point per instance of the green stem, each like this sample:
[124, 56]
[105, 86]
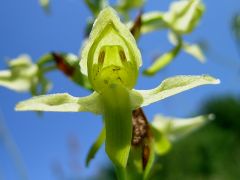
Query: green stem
[45, 59]
[49, 68]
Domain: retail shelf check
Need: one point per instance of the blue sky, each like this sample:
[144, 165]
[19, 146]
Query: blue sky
[43, 140]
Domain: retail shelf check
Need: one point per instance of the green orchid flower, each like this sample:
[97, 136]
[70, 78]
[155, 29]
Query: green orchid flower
[111, 60]
[181, 19]
[24, 76]
[167, 130]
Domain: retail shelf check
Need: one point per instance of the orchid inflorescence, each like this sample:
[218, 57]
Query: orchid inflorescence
[111, 61]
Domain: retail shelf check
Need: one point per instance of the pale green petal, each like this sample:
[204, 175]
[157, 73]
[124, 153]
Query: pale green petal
[175, 128]
[174, 85]
[21, 74]
[23, 60]
[194, 50]
[61, 102]
[10, 82]
[136, 99]
[162, 61]
[96, 146]
[166, 130]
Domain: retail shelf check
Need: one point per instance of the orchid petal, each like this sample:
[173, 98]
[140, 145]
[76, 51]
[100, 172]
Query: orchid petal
[62, 102]
[174, 85]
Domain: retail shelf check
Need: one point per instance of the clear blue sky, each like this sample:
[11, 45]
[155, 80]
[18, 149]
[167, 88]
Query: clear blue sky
[43, 140]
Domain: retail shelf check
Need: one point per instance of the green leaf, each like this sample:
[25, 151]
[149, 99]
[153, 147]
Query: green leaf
[174, 85]
[175, 128]
[184, 15]
[61, 102]
[118, 123]
[111, 54]
[96, 146]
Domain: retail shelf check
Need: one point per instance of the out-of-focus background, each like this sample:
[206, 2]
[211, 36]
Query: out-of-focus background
[54, 145]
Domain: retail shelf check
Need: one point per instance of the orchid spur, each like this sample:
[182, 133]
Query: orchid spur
[111, 60]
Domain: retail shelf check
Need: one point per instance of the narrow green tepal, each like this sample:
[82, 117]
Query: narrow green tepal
[163, 60]
[118, 122]
[96, 146]
[175, 128]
